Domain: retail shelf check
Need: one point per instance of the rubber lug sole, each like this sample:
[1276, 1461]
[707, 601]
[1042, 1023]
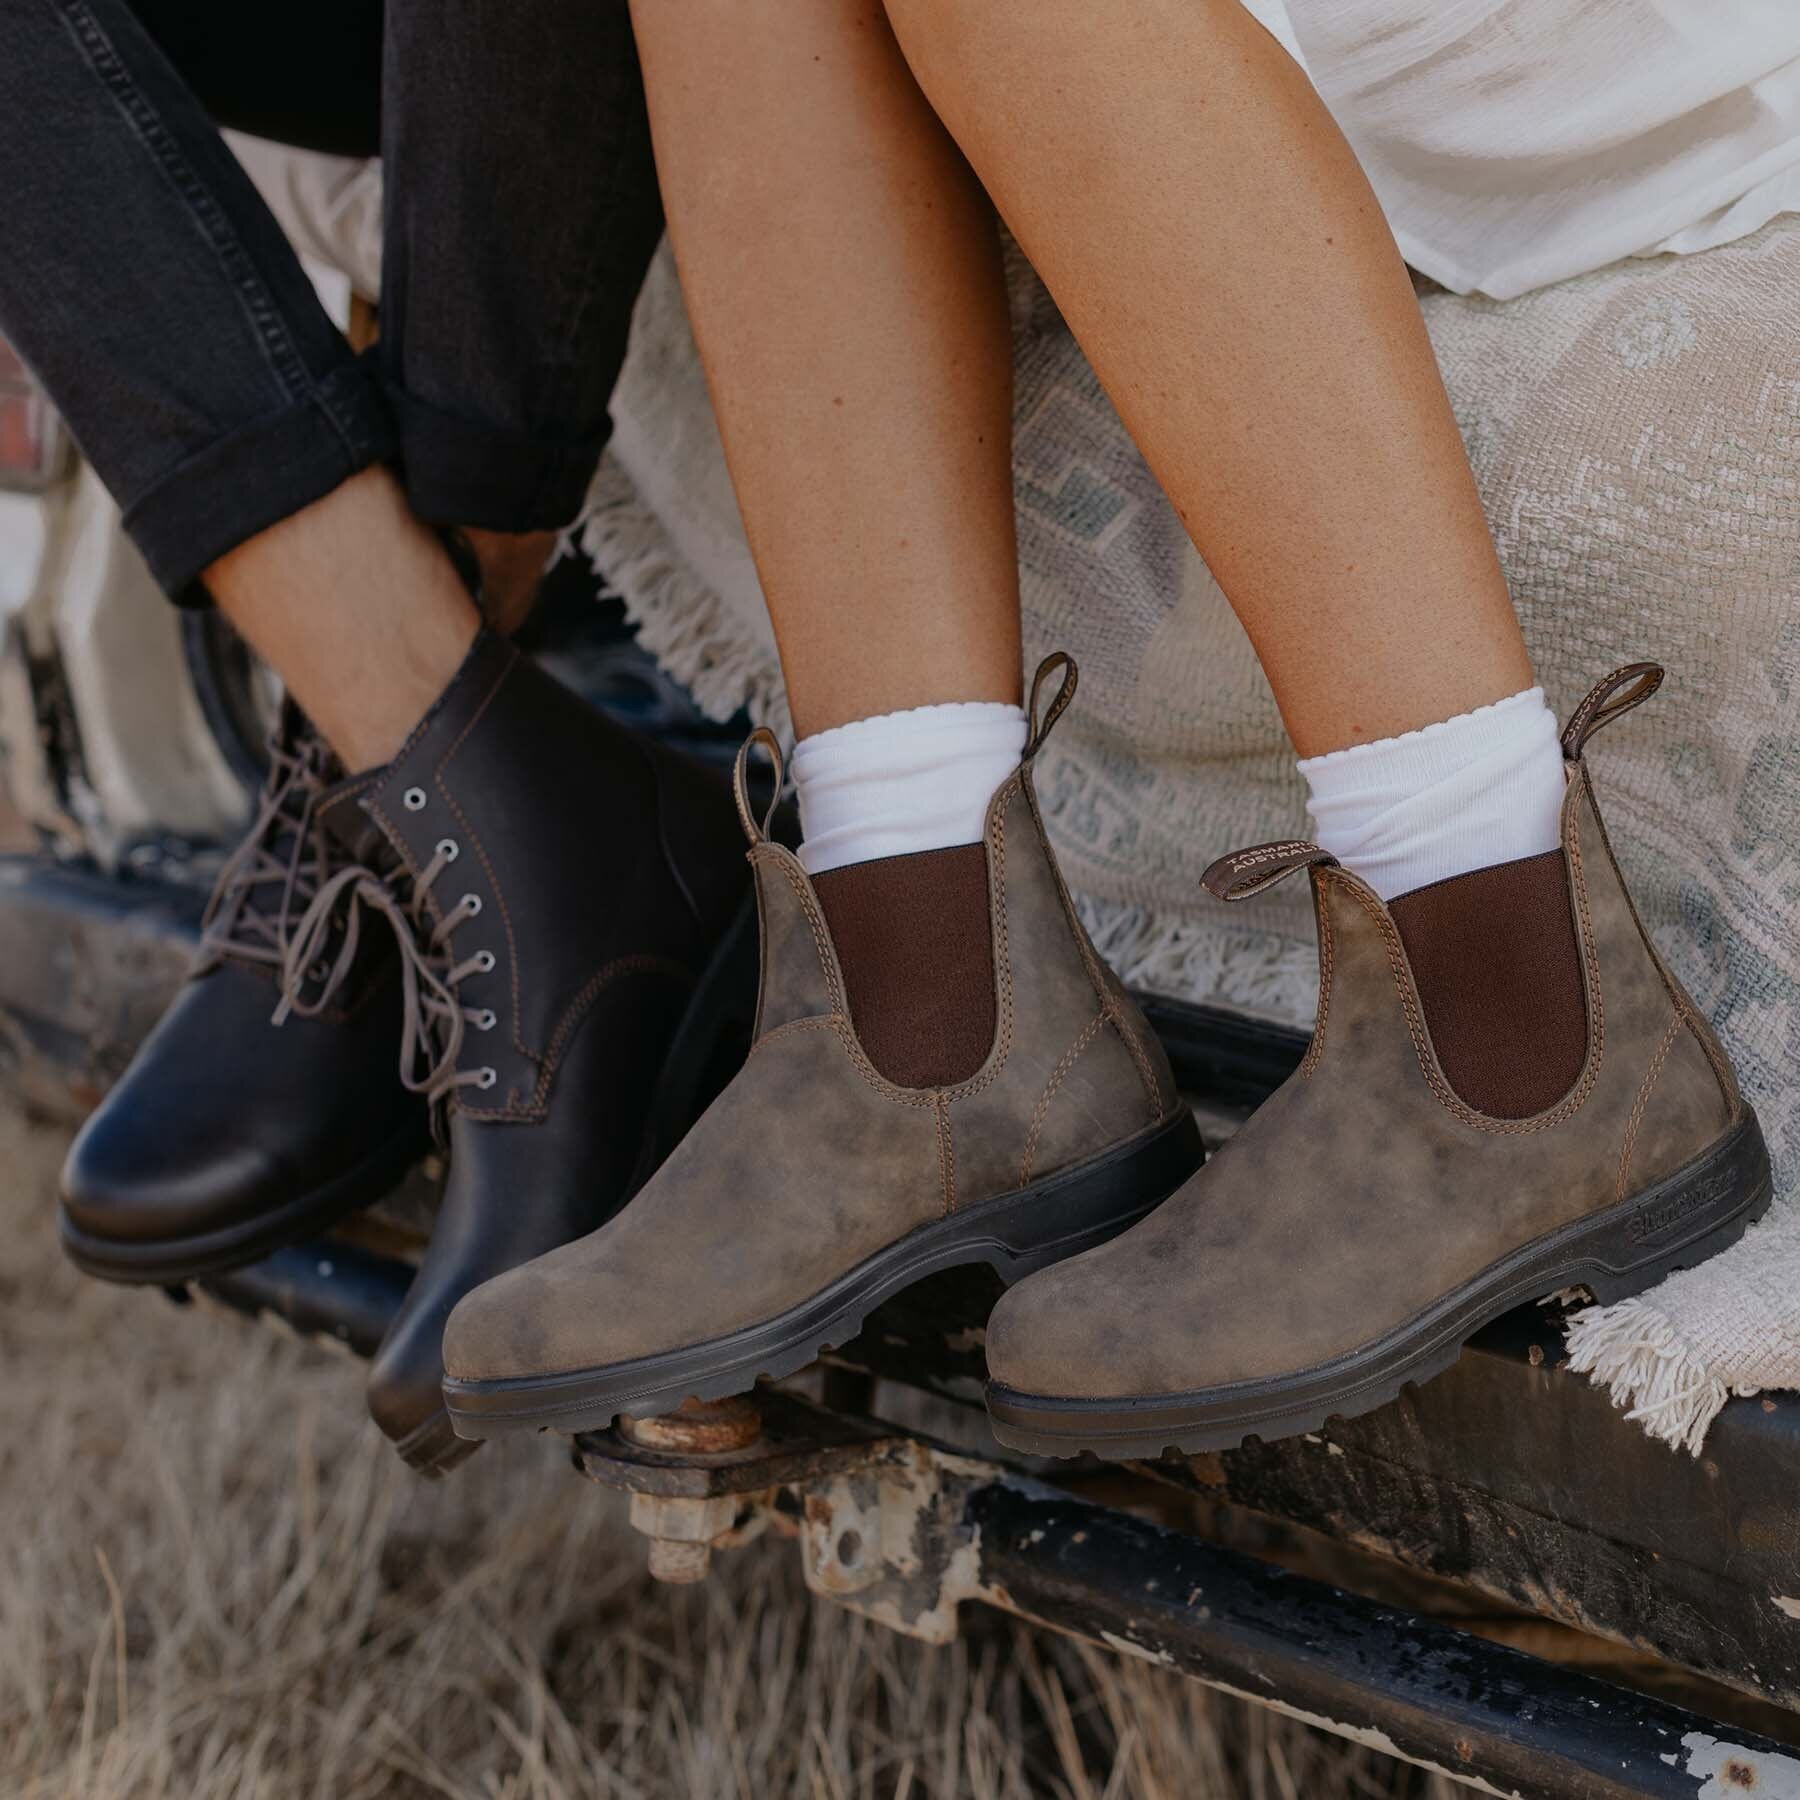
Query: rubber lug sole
[1061, 1215]
[163, 1262]
[1701, 1209]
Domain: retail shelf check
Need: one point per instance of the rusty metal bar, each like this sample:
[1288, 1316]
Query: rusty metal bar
[1495, 1718]
[906, 1531]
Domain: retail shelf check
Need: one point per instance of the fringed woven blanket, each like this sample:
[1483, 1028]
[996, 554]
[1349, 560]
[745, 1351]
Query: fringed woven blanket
[1636, 434]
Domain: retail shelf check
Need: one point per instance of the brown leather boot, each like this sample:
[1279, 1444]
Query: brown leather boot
[818, 1183]
[228, 1137]
[556, 887]
[1448, 1149]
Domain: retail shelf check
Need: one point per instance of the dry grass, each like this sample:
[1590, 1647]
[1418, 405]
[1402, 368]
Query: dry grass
[216, 1580]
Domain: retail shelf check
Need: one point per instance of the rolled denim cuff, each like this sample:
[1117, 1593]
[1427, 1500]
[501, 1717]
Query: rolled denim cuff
[259, 475]
[461, 471]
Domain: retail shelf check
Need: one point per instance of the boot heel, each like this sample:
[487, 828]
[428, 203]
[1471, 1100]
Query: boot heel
[1698, 1211]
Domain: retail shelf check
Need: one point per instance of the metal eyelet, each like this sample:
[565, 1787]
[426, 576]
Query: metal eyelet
[485, 1078]
[484, 961]
[449, 849]
[486, 1019]
[414, 799]
[471, 905]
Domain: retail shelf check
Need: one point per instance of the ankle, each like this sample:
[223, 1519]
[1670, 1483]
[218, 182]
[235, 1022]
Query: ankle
[903, 782]
[1480, 789]
[359, 609]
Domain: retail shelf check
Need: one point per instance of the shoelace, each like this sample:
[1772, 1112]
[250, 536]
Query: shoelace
[235, 923]
[433, 1018]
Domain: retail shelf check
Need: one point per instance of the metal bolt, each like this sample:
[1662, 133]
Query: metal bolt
[681, 1532]
[678, 1563]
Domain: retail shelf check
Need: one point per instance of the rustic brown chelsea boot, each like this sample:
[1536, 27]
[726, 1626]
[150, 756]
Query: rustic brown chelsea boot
[1506, 1094]
[231, 1135]
[555, 886]
[819, 1182]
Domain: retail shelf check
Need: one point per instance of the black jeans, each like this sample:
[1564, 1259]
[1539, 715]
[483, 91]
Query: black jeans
[149, 288]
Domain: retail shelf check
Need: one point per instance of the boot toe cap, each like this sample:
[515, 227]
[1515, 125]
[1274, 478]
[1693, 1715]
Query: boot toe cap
[221, 1121]
[1056, 1334]
[129, 1186]
[503, 1330]
[572, 1310]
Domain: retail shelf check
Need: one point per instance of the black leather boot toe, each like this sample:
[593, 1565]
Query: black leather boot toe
[229, 1136]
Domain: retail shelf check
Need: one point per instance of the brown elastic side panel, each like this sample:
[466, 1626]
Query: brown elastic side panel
[914, 940]
[1498, 969]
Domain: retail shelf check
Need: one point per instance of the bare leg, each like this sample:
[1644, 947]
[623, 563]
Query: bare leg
[358, 607]
[842, 273]
[1216, 249]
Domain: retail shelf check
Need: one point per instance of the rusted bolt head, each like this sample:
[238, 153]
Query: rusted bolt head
[697, 1427]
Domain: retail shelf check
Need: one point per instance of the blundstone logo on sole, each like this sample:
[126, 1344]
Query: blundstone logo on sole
[1662, 1216]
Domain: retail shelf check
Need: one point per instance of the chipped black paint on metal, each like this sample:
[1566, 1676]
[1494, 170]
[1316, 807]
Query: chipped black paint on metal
[1522, 1480]
[1434, 1695]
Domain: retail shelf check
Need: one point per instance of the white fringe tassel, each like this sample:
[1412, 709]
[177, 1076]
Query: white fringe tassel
[692, 634]
[1651, 1371]
[1253, 972]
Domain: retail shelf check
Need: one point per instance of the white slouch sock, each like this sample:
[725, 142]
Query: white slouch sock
[1483, 788]
[903, 782]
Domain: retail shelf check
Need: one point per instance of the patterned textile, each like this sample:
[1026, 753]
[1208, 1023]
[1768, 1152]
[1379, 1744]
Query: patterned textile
[1636, 435]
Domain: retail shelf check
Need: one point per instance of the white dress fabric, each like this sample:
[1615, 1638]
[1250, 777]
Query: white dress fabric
[1514, 143]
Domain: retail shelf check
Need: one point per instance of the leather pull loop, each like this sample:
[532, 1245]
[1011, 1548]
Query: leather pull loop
[740, 786]
[1618, 693]
[1058, 659]
[1247, 872]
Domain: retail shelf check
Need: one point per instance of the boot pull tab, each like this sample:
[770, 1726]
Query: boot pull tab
[1606, 702]
[1247, 872]
[1058, 659]
[740, 787]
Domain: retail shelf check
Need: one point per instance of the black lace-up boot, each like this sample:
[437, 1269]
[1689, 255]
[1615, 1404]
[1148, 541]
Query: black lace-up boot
[556, 887]
[228, 1137]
